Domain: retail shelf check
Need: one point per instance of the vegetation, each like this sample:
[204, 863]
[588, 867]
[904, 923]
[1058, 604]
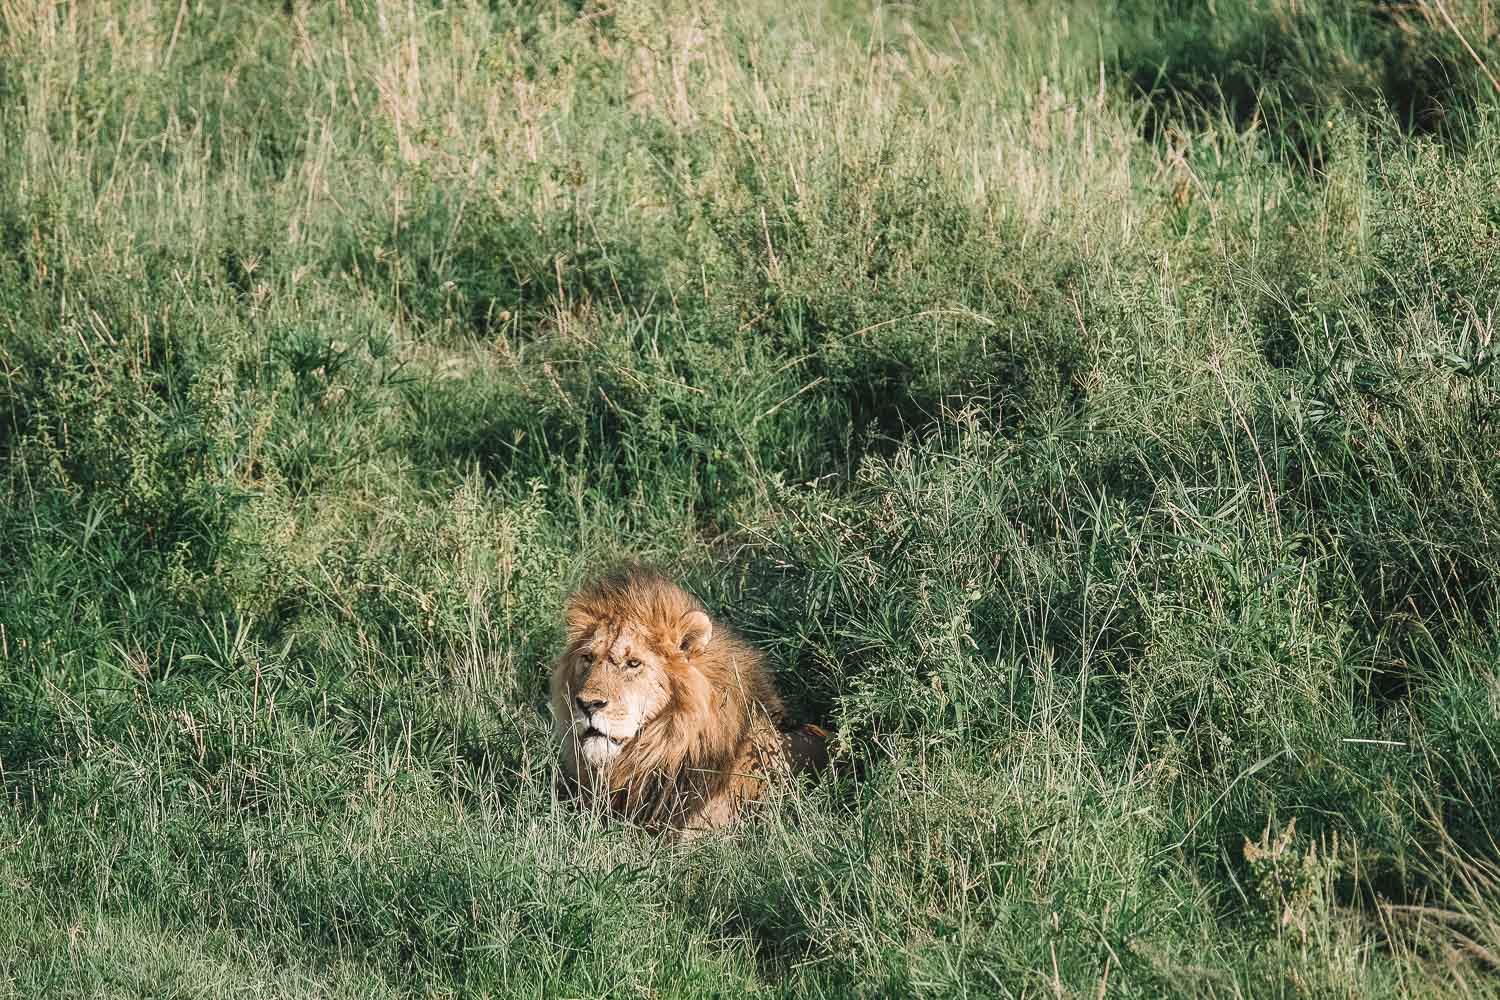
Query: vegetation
[1091, 408]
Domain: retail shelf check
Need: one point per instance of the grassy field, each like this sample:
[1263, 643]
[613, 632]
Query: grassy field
[1091, 407]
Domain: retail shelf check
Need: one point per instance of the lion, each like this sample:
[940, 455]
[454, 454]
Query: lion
[673, 721]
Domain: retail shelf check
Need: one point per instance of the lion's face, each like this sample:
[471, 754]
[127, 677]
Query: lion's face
[616, 684]
[656, 711]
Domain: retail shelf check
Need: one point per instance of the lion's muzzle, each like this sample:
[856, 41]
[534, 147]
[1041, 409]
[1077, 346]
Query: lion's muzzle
[599, 737]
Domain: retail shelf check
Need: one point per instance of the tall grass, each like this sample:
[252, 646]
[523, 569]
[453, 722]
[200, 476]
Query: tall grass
[1090, 407]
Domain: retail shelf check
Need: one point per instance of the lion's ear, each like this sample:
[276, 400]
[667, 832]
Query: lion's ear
[696, 631]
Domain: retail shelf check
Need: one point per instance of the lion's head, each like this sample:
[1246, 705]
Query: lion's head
[619, 680]
[650, 698]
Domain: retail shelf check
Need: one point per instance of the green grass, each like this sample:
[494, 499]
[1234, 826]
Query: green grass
[1091, 408]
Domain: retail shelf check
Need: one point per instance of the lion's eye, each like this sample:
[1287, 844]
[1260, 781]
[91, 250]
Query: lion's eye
[586, 657]
[633, 664]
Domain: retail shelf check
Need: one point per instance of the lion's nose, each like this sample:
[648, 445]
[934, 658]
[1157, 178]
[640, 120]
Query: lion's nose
[590, 706]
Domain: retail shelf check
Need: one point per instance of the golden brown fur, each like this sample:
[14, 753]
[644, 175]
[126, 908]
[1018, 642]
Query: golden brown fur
[673, 719]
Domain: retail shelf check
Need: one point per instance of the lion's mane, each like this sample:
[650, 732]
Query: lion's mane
[710, 747]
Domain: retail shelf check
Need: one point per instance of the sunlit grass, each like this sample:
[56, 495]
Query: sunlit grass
[1090, 408]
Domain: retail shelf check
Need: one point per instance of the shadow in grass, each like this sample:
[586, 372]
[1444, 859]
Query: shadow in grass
[1287, 70]
[769, 911]
[466, 271]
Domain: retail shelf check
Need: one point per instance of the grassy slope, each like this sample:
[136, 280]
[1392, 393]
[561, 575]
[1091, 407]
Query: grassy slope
[1091, 408]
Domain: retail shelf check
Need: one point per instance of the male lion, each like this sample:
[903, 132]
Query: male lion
[674, 720]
